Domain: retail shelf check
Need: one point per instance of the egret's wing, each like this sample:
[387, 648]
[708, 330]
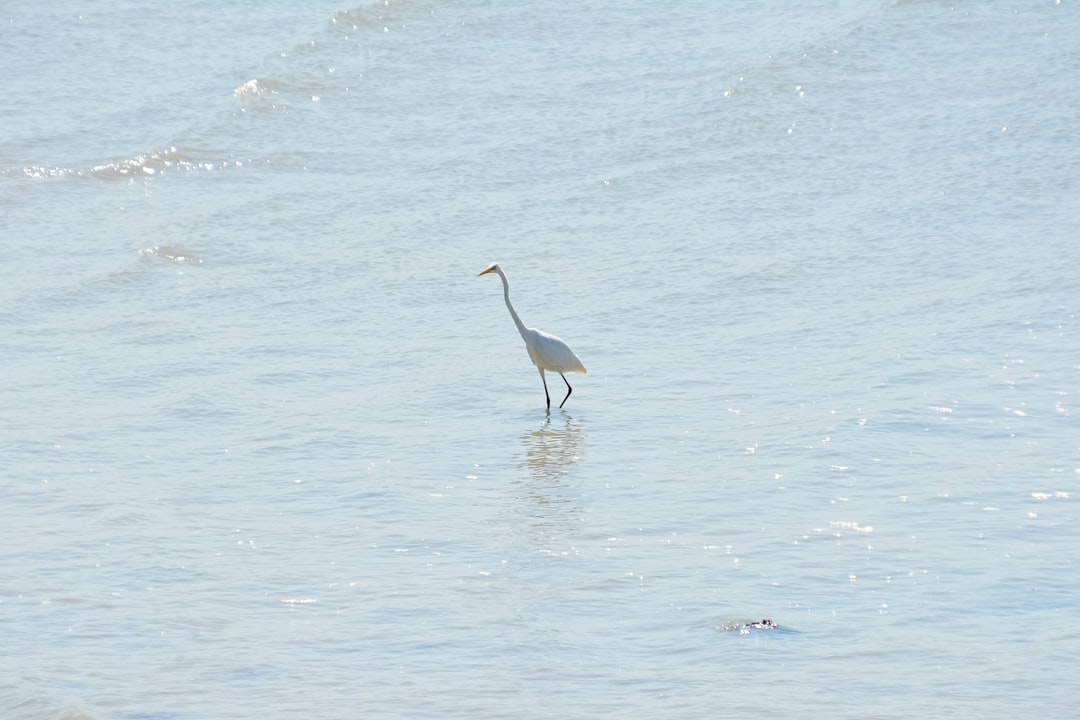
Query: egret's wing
[552, 353]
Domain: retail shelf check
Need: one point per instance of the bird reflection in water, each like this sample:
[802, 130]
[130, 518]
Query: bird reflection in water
[552, 449]
[542, 503]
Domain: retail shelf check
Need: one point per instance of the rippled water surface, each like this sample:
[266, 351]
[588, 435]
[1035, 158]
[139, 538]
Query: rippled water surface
[270, 448]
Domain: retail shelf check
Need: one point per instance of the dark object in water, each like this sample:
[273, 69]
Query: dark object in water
[744, 627]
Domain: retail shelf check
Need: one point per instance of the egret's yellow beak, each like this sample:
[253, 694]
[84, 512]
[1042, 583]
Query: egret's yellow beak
[486, 270]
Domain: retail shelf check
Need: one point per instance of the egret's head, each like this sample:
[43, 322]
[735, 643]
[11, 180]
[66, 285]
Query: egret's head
[490, 268]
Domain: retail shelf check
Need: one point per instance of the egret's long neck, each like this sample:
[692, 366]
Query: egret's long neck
[509, 306]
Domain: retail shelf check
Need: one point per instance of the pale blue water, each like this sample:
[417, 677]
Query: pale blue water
[269, 448]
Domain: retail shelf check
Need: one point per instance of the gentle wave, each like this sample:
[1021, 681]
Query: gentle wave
[21, 705]
[258, 86]
[377, 13]
[255, 94]
[171, 253]
[143, 165]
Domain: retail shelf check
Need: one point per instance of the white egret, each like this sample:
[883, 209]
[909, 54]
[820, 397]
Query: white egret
[546, 351]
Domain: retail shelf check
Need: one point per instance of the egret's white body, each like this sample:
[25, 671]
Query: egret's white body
[546, 351]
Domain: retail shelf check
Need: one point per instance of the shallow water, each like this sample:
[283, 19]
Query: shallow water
[271, 448]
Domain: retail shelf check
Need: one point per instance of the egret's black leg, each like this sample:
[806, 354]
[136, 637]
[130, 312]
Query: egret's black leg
[568, 390]
[544, 380]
